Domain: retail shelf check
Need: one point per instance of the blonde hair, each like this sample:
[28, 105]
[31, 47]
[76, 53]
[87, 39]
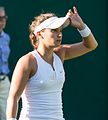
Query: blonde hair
[37, 20]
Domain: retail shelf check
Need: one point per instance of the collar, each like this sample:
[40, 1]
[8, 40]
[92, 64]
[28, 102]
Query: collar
[2, 33]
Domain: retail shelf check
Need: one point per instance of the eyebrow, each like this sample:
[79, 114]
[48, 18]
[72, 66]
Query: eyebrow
[4, 16]
[61, 28]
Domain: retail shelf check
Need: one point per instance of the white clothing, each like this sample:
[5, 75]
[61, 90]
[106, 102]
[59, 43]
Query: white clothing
[41, 98]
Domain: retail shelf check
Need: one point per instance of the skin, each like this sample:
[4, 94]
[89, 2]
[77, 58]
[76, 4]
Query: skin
[3, 21]
[49, 42]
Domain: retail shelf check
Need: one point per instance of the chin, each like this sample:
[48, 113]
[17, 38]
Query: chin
[57, 45]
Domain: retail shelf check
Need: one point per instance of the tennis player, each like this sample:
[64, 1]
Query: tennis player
[39, 75]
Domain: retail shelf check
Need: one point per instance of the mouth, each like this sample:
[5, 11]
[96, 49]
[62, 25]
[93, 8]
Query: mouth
[58, 40]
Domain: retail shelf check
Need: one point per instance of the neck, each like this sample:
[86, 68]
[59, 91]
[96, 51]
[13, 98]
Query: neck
[46, 54]
[1, 31]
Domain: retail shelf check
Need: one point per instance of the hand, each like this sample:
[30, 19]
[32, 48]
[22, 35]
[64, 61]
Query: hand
[75, 19]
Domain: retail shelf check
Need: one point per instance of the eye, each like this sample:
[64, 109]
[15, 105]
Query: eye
[53, 30]
[56, 30]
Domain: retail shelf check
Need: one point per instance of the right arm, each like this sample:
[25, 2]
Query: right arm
[23, 71]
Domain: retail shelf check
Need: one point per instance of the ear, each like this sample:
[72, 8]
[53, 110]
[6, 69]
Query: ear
[39, 34]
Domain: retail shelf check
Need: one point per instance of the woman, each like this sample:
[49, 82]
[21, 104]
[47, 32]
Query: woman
[39, 75]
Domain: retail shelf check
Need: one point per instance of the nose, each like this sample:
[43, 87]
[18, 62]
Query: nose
[59, 35]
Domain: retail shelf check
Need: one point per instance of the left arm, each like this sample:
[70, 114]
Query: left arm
[89, 43]
[74, 50]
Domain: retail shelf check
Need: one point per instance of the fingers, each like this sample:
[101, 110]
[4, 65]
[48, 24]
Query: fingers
[71, 13]
[75, 10]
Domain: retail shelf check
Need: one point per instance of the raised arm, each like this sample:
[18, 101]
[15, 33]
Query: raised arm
[88, 43]
[23, 70]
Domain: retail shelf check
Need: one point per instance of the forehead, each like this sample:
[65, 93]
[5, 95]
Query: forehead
[57, 29]
[2, 12]
[60, 28]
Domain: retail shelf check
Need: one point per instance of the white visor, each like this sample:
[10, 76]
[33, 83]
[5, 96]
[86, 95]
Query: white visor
[53, 23]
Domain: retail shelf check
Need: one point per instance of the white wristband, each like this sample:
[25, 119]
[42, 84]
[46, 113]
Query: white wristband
[11, 119]
[85, 32]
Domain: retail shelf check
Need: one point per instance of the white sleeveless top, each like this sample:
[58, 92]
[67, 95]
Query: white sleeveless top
[42, 96]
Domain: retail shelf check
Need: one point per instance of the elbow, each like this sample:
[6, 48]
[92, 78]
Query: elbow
[90, 46]
[94, 46]
[12, 99]
[90, 42]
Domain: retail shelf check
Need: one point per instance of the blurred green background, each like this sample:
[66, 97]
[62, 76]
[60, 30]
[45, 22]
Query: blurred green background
[85, 89]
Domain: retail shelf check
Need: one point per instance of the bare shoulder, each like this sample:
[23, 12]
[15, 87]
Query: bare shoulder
[27, 59]
[27, 63]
